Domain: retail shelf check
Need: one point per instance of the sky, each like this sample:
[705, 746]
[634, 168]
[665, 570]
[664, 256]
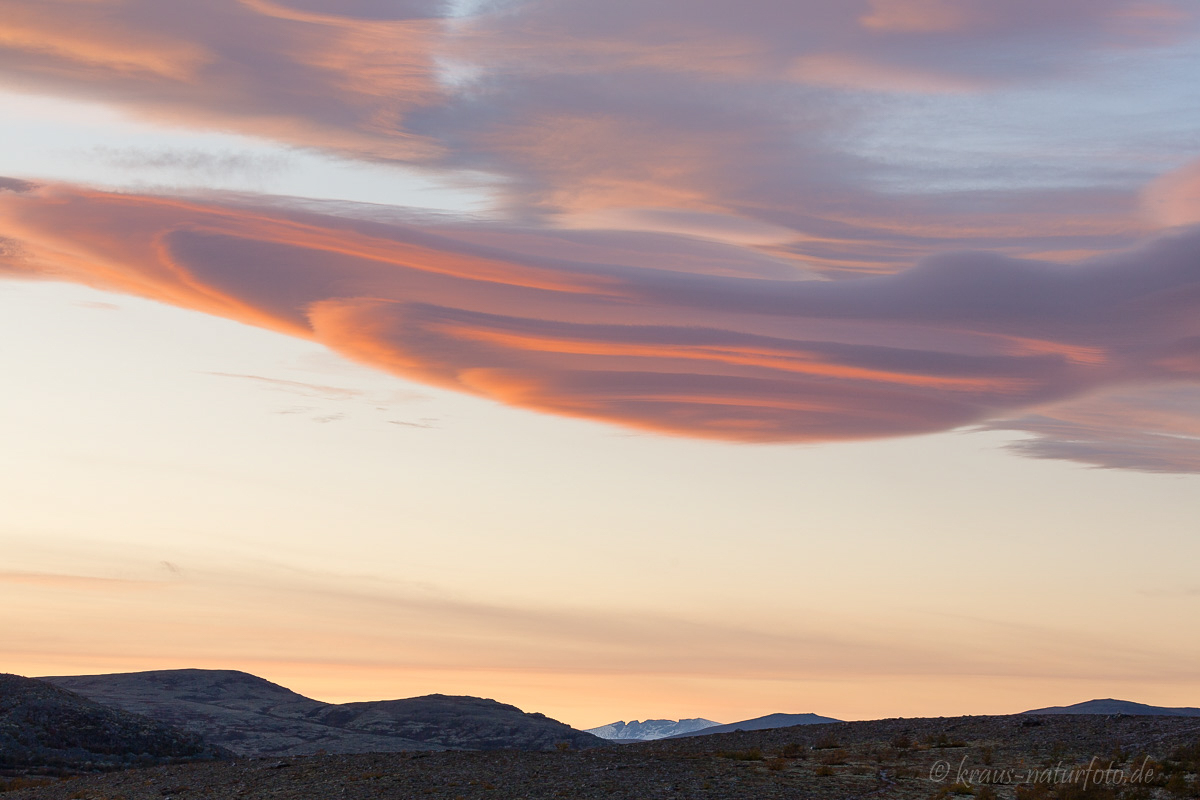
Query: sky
[631, 360]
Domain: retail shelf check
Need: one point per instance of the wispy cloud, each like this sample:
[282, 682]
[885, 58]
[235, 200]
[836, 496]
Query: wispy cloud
[379, 402]
[90, 583]
[297, 387]
[298, 613]
[427, 424]
[1153, 430]
[253, 167]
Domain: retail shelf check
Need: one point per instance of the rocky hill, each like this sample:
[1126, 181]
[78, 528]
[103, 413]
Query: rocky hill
[254, 717]
[470, 723]
[44, 728]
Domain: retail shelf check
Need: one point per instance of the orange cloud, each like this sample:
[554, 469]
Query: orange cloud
[255, 67]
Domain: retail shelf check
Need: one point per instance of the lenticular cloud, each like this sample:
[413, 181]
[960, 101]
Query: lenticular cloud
[960, 339]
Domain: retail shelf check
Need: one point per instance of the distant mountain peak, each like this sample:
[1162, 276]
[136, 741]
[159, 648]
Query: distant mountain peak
[1109, 705]
[649, 730]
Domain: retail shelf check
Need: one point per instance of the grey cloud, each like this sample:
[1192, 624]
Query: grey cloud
[201, 162]
[1152, 430]
[15, 185]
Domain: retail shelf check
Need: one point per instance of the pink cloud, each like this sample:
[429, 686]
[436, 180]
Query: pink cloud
[841, 71]
[1174, 198]
[918, 16]
[960, 339]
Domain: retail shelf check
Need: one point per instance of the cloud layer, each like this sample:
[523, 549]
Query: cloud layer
[960, 339]
[670, 177]
[735, 119]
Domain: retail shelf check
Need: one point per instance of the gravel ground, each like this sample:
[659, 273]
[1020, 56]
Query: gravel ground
[887, 759]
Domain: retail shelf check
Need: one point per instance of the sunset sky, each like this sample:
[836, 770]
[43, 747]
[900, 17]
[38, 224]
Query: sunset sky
[617, 360]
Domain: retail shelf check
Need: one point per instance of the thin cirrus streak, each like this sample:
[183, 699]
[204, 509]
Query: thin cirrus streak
[82, 583]
[960, 339]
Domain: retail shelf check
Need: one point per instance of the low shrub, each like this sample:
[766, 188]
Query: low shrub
[12, 784]
[834, 757]
[943, 740]
[827, 742]
[792, 750]
[753, 754]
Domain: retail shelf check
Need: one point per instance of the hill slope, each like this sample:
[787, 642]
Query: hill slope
[471, 723]
[252, 716]
[45, 727]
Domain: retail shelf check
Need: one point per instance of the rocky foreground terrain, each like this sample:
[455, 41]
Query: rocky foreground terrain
[253, 717]
[1025, 757]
